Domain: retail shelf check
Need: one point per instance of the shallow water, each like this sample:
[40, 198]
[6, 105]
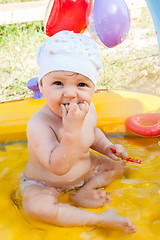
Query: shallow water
[135, 195]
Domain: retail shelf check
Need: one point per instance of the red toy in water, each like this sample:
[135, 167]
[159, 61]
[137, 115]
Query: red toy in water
[68, 15]
[147, 125]
[127, 159]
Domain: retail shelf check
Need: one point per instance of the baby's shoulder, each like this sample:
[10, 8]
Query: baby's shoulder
[37, 119]
[34, 122]
[42, 120]
[37, 128]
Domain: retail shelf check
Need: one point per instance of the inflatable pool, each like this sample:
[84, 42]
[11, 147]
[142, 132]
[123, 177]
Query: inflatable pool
[135, 195]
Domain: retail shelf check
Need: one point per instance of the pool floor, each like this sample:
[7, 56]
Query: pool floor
[135, 195]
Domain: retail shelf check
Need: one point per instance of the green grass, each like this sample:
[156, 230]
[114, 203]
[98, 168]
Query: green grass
[19, 45]
[132, 65]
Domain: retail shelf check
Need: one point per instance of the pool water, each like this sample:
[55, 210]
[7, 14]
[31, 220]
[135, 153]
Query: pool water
[135, 195]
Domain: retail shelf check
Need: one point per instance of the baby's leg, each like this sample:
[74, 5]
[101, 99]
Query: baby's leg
[107, 171]
[41, 202]
[112, 220]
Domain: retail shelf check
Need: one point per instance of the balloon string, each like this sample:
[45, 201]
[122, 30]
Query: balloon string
[127, 159]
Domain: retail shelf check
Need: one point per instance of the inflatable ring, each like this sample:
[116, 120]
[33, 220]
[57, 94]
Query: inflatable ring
[147, 125]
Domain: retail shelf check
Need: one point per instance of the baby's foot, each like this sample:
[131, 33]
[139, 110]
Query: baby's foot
[109, 219]
[120, 168]
[91, 198]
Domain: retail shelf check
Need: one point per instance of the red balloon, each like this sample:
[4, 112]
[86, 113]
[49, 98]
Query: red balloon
[71, 15]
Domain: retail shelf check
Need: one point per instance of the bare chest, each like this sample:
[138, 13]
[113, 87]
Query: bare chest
[87, 133]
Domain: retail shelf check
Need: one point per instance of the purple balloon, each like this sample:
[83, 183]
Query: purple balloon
[111, 20]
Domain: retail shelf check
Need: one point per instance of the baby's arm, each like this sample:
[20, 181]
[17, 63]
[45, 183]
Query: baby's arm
[58, 156]
[102, 145]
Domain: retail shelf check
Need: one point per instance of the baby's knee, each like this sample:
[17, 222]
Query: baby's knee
[31, 208]
[120, 168]
[40, 207]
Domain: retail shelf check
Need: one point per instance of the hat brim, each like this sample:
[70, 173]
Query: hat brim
[68, 62]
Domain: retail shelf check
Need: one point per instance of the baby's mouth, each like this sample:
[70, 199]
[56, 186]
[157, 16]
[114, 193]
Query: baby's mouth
[66, 106]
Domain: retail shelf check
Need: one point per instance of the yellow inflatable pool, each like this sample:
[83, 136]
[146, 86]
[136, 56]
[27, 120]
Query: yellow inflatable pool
[135, 195]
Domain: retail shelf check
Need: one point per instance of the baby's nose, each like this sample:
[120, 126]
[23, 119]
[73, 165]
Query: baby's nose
[70, 92]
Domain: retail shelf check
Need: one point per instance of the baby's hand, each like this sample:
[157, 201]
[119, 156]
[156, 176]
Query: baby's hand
[119, 154]
[78, 110]
[73, 115]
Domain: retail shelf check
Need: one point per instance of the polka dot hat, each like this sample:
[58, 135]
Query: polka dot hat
[70, 51]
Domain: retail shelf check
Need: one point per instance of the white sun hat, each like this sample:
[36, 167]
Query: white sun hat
[69, 51]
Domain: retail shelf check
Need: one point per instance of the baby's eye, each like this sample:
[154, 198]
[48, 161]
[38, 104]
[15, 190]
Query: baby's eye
[58, 83]
[82, 84]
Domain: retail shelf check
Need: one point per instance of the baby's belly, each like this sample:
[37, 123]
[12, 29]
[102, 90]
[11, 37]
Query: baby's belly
[76, 174]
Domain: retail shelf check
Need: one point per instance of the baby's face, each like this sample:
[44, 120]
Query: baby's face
[64, 87]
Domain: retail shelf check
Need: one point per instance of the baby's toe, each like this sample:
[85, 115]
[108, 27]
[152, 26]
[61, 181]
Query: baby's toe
[102, 195]
[128, 226]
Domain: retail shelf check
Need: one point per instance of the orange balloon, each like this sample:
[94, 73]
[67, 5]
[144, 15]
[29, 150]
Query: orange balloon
[71, 15]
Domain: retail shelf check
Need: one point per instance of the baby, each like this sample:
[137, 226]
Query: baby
[61, 134]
